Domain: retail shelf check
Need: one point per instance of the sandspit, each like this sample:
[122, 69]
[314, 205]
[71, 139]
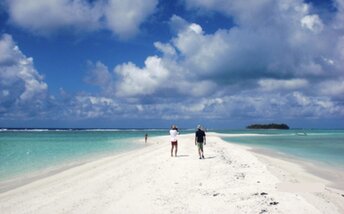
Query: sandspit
[230, 179]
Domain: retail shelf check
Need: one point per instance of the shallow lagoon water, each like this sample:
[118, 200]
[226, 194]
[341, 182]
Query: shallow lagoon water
[24, 152]
[325, 146]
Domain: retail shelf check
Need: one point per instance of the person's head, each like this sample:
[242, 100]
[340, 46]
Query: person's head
[199, 127]
[174, 127]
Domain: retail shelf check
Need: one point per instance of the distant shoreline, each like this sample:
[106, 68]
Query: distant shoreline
[269, 126]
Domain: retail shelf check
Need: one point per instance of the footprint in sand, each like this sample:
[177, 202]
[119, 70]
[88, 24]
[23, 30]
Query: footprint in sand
[274, 203]
[240, 176]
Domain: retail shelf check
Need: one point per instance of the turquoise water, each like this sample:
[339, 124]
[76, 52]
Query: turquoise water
[325, 146]
[24, 152]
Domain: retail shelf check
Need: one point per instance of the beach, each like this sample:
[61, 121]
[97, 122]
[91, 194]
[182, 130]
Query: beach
[231, 179]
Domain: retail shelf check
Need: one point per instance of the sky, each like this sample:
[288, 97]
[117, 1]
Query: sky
[153, 63]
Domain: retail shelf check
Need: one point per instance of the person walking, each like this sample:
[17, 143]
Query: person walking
[146, 137]
[174, 141]
[200, 140]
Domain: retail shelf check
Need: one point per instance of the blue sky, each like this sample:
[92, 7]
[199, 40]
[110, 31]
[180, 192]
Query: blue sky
[151, 63]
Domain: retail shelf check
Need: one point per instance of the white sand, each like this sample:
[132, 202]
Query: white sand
[230, 180]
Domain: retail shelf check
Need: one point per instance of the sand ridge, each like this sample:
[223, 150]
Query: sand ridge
[229, 180]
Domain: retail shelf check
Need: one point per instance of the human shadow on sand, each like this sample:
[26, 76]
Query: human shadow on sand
[211, 157]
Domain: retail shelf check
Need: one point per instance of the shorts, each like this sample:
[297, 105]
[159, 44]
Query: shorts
[200, 145]
[174, 143]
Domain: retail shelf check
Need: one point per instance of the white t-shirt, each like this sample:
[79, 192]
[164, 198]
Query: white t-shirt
[173, 134]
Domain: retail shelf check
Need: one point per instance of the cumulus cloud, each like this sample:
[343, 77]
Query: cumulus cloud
[203, 105]
[243, 105]
[136, 81]
[178, 71]
[267, 106]
[280, 48]
[166, 49]
[57, 14]
[20, 83]
[280, 60]
[121, 17]
[201, 53]
[89, 107]
[124, 17]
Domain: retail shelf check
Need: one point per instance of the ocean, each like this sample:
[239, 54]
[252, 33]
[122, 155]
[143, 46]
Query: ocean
[25, 152]
[317, 146]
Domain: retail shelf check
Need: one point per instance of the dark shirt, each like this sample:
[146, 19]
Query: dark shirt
[200, 136]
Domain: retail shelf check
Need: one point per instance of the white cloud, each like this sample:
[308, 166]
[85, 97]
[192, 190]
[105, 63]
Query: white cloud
[202, 53]
[273, 84]
[9, 52]
[45, 16]
[195, 88]
[301, 99]
[339, 18]
[203, 105]
[196, 28]
[268, 51]
[89, 107]
[97, 100]
[124, 17]
[20, 83]
[178, 24]
[332, 88]
[313, 23]
[339, 51]
[328, 61]
[121, 17]
[136, 81]
[280, 60]
[166, 49]
[170, 73]
[277, 106]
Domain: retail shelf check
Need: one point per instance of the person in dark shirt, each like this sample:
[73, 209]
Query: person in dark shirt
[200, 141]
[146, 137]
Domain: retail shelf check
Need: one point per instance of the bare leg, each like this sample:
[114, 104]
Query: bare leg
[172, 150]
[175, 152]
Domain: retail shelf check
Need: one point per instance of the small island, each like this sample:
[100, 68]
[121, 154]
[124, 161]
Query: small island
[268, 126]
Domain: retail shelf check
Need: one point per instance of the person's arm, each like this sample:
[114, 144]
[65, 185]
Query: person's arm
[195, 139]
[204, 140]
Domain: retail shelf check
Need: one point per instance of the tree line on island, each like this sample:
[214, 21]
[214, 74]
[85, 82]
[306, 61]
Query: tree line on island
[268, 126]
